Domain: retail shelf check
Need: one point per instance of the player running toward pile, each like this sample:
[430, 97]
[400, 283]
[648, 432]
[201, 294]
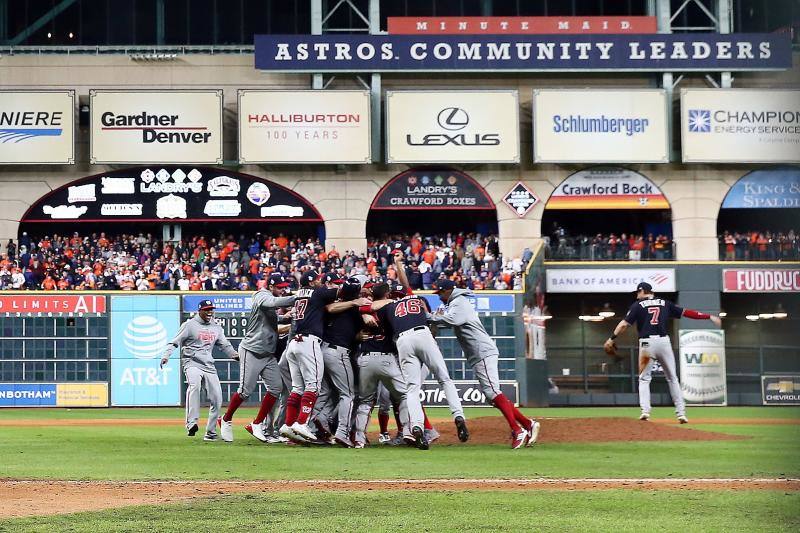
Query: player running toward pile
[651, 315]
[482, 355]
[304, 351]
[257, 357]
[196, 339]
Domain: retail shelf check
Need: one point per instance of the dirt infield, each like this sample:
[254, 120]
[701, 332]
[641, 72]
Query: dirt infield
[37, 498]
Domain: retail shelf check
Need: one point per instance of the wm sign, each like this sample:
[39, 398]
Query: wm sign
[702, 356]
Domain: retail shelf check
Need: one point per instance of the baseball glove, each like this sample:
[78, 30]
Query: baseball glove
[611, 349]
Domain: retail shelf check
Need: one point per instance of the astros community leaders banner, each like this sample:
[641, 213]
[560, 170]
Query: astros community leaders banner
[519, 53]
[304, 127]
[452, 126]
[607, 188]
[37, 127]
[181, 126]
[702, 362]
[740, 125]
[600, 126]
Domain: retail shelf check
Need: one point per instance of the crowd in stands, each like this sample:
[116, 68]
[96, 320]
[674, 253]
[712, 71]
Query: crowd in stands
[142, 262]
[562, 246]
[759, 245]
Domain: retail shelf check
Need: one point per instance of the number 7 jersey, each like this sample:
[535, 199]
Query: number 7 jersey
[652, 315]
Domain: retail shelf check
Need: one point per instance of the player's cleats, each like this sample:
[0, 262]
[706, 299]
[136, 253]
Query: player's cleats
[226, 430]
[210, 437]
[644, 416]
[303, 431]
[683, 420]
[256, 430]
[343, 441]
[272, 439]
[533, 433]
[461, 427]
[358, 445]
[432, 435]
[419, 438]
[192, 430]
[384, 438]
[288, 433]
[518, 439]
[398, 440]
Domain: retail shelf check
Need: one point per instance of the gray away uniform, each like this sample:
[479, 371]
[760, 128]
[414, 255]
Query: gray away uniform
[196, 340]
[479, 348]
[257, 349]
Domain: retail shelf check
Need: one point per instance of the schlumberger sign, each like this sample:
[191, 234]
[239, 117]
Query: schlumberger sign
[376, 53]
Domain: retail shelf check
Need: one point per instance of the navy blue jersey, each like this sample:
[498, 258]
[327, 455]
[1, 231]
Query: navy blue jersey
[309, 310]
[652, 316]
[341, 328]
[404, 314]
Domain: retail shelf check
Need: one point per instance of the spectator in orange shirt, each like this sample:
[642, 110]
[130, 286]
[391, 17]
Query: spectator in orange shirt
[49, 284]
[281, 241]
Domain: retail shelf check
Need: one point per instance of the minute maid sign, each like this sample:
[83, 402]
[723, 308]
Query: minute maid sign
[141, 326]
[702, 362]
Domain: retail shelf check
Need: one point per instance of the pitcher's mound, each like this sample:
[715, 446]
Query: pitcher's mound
[494, 430]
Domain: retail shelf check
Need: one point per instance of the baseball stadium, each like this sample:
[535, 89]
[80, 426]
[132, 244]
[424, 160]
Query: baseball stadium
[486, 265]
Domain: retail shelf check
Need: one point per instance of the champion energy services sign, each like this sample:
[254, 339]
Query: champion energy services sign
[37, 127]
[452, 126]
[304, 127]
[156, 126]
[600, 126]
[740, 125]
[607, 188]
[523, 53]
[761, 280]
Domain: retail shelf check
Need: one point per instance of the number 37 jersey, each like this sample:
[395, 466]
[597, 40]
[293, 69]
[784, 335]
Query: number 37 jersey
[404, 314]
[652, 316]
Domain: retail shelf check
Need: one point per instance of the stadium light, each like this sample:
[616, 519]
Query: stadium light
[722, 314]
[766, 316]
[752, 318]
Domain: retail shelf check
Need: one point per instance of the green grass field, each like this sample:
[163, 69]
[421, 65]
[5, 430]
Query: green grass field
[163, 452]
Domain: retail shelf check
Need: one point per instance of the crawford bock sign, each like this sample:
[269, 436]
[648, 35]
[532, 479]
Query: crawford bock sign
[740, 125]
[609, 280]
[37, 127]
[432, 189]
[600, 126]
[182, 126]
[452, 126]
[304, 127]
[703, 378]
[607, 188]
[760, 280]
[524, 53]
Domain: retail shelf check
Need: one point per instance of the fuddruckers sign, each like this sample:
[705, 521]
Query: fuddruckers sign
[156, 126]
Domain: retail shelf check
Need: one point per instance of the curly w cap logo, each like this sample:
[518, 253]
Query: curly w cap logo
[145, 337]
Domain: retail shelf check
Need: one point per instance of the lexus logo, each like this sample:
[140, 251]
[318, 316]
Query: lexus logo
[453, 118]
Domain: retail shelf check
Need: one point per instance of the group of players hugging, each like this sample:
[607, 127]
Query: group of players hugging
[332, 350]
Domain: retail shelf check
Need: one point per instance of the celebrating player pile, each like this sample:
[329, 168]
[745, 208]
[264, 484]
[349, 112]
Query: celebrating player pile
[351, 341]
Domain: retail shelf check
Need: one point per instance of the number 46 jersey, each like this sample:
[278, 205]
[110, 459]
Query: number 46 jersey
[404, 314]
[652, 316]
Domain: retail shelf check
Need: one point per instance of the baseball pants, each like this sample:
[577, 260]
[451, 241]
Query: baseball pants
[306, 363]
[378, 370]
[278, 415]
[195, 378]
[416, 347]
[339, 382]
[384, 400]
[488, 376]
[659, 349]
[252, 367]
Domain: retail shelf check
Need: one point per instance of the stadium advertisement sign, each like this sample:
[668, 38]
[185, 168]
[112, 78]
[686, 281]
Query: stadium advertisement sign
[141, 327]
[740, 125]
[483, 303]
[702, 355]
[158, 194]
[780, 390]
[181, 126]
[304, 127]
[518, 25]
[774, 188]
[452, 126]
[432, 189]
[37, 127]
[524, 53]
[760, 280]
[600, 126]
[223, 303]
[431, 394]
[574, 280]
[53, 394]
[53, 304]
[607, 188]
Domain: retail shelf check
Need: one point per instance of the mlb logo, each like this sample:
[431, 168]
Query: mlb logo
[699, 121]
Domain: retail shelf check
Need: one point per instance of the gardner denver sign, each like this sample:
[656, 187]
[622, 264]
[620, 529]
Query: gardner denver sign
[151, 126]
[473, 53]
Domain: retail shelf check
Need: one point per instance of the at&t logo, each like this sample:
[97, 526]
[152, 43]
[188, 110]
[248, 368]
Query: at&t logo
[145, 337]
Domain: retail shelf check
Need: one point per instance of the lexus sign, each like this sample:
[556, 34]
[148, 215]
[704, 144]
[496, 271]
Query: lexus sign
[452, 126]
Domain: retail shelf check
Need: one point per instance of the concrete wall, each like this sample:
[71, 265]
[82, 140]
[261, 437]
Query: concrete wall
[343, 194]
